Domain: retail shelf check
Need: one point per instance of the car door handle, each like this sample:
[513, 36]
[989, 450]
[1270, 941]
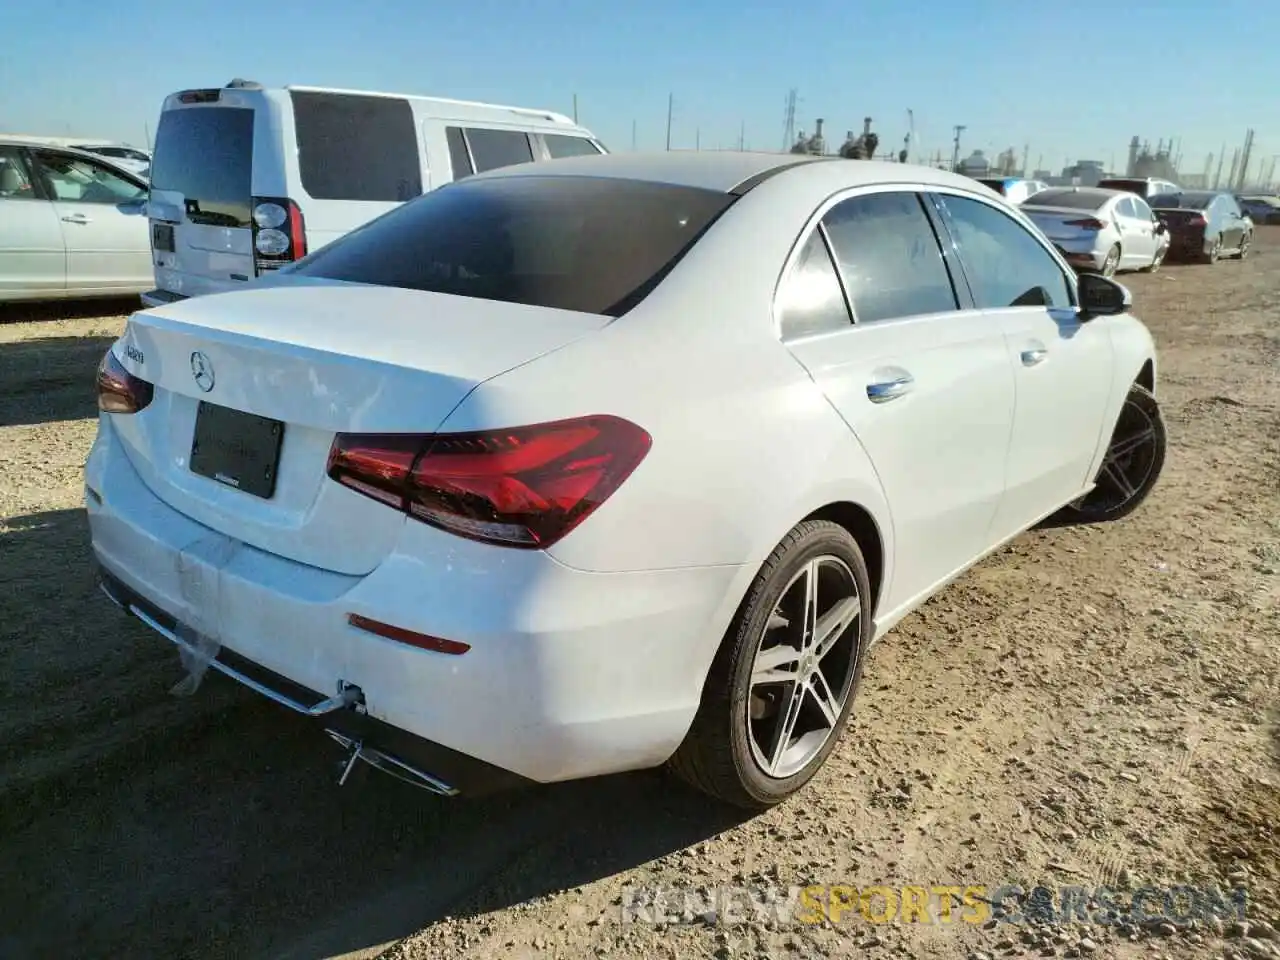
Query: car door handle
[75, 218]
[1031, 357]
[886, 390]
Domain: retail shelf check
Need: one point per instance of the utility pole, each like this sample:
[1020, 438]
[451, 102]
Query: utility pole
[955, 153]
[146, 129]
[697, 138]
[575, 108]
[1217, 177]
[671, 105]
[1235, 162]
[742, 136]
[1244, 161]
[789, 126]
[633, 136]
[1026, 156]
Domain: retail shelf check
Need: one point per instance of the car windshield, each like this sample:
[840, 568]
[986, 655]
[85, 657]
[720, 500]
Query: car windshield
[1075, 199]
[1182, 201]
[591, 244]
[1131, 186]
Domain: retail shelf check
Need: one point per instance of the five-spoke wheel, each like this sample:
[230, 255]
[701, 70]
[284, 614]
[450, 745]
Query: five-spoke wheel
[1133, 461]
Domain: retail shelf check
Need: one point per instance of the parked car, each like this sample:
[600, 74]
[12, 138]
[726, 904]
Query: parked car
[248, 179]
[1100, 230]
[1145, 187]
[510, 485]
[72, 224]
[1016, 189]
[1205, 225]
[1264, 210]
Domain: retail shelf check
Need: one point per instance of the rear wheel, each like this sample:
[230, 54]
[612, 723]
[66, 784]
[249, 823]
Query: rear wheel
[1112, 262]
[1215, 251]
[1133, 462]
[1245, 240]
[782, 684]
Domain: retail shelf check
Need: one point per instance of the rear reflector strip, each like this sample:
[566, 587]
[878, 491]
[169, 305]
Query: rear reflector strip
[408, 637]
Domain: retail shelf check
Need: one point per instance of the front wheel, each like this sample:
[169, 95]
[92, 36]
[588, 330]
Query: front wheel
[782, 684]
[1157, 261]
[1133, 462]
[1243, 252]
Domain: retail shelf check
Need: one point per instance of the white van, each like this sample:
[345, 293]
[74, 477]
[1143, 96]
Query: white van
[245, 179]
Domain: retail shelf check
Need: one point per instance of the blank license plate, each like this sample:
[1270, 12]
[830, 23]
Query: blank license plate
[238, 449]
[162, 237]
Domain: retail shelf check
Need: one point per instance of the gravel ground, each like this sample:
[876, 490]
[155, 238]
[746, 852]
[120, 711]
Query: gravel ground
[1090, 706]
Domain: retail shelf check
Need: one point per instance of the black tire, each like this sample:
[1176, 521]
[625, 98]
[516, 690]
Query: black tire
[1103, 504]
[716, 755]
[1215, 251]
[1111, 265]
[1245, 239]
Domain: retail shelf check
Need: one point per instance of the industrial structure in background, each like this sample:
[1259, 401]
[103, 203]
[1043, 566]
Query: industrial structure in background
[1163, 162]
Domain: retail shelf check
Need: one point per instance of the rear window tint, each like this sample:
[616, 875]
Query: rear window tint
[1074, 199]
[573, 243]
[353, 147]
[563, 145]
[459, 159]
[206, 154]
[498, 148]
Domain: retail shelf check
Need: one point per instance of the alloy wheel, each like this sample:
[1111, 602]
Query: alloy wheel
[804, 667]
[1112, 262]
[1129, 461]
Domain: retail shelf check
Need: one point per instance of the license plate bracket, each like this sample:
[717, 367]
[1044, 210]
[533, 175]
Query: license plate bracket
[237, 449]
[162, 237]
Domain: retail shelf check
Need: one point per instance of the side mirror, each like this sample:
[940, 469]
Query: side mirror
[1102, 297]
[1161, 229]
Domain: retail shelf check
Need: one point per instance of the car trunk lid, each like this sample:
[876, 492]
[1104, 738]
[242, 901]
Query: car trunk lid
[309, 359]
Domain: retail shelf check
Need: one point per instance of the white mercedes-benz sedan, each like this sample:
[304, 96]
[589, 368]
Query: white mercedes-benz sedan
[607, 463]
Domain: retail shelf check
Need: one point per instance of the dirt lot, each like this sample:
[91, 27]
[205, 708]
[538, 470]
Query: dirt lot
[1090, 706]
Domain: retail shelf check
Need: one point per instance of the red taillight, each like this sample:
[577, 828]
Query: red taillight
[410, 637]
[1087, 223]
[279, 234]
[1198, 220]
[119, 391]
[521, 487]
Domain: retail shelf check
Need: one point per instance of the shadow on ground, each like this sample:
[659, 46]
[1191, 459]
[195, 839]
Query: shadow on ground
[151, 825]
[45, 310]
[48, 379]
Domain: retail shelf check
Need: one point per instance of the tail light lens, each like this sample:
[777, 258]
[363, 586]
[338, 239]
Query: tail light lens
[1198, 220]
[520, 487]
[1087, 223]
[279, 235]
[119, 391]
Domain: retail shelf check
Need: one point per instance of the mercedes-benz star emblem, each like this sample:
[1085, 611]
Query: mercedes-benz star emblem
[202, 370]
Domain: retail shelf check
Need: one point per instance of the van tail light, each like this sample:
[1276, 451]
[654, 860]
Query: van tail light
[279, 234]
[521, 487]
[119, 391]
[1087, 223]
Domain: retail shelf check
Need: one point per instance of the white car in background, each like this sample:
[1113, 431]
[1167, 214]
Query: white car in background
[131, 158]
[72, 224]
[1106, 231]
[602, 463]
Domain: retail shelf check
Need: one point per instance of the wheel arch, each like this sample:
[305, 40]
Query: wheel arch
[862, 526]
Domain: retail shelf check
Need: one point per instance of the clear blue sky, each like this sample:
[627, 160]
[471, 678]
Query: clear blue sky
[1072, 84]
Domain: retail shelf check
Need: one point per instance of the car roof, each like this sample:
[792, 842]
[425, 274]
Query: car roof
[724, 171]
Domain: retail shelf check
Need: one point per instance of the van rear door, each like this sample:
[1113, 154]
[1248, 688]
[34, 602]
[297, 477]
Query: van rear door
[200, 206]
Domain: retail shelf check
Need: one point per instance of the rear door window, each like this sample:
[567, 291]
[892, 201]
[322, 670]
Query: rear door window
[356, 147]
[491, 149]
[889, 257]
[563, 145]
[206, 155]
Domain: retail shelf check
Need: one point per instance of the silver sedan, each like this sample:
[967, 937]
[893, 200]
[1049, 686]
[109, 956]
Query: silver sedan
[1103, 231]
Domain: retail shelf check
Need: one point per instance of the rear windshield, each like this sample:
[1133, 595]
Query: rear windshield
[1182, 201]
[1132, 186]
[996, 185]
[356, 147]
[574, 243]
[1066, 198]
[206, 154]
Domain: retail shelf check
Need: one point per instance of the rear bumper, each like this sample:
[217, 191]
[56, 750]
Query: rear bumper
[569, 674]
[1080, 256]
